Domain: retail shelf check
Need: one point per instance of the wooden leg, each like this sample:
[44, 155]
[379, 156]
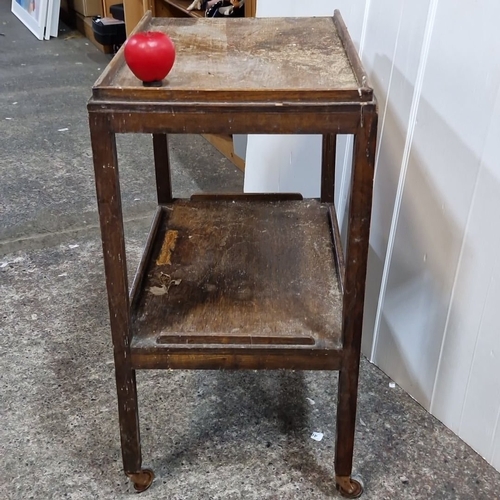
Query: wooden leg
[328, 168]
[354, 292]
[346, 420]
[113, 244]
[162, 169]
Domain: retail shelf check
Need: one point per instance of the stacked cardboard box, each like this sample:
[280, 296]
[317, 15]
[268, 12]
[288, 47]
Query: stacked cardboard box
[79, 14]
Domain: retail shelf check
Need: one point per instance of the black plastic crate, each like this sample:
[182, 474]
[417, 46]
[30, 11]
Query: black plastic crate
[108, 33]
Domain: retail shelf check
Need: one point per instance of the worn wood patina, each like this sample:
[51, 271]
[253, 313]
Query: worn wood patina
[240, 281]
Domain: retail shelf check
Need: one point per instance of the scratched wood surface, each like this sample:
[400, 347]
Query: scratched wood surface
[241, 273]
[236, 58]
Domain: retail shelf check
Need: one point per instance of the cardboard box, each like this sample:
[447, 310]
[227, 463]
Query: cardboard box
[84, 26]
[86, 8]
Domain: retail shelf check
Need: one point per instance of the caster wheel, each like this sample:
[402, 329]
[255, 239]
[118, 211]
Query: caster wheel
[349, 487]
[142, 480]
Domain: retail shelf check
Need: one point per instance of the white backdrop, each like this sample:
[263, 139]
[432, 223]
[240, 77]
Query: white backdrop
[431, 317]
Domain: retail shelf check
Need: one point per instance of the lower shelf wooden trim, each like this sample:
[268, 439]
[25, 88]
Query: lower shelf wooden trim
[293, 360]
[139, 275]
[234, 340]
[246, 197]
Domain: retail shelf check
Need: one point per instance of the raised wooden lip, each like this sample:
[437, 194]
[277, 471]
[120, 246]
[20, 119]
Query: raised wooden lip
[275, 97]
[352, 55]
[337, 244]
[232, 340]
[137, 105]
[103, 89]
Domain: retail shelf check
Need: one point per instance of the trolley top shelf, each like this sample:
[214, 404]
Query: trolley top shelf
[247, 60]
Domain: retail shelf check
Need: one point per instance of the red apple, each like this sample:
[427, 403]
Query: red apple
[150, 55]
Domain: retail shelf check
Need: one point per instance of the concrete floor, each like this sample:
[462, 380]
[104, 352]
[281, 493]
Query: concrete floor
[207, 435]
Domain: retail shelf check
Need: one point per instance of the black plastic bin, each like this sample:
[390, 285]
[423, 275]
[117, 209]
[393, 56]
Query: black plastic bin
[108, 34]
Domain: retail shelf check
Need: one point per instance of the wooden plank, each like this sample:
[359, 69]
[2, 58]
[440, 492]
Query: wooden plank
[134, 12]
[337, 243]
[214, 118]
[224, 144]
[246, 197]
[115, 265]
[354, 290]
[250, 8]
[162, 168]
[352, 54]
[329, 153]
[234, 340]
[245, 359]
[146, 255]
[279, 97]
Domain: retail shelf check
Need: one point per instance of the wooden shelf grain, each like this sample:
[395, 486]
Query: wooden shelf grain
[232, 274]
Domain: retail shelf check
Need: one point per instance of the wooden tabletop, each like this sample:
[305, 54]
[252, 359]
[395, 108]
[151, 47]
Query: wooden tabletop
[247, 59]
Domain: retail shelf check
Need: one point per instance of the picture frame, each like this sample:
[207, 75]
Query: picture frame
[52, 18]
[41, 17]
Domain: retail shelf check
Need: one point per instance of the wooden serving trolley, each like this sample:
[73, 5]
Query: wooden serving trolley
[244, 281]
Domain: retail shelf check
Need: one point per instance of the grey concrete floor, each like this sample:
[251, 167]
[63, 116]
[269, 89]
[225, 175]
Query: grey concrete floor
[207, 435]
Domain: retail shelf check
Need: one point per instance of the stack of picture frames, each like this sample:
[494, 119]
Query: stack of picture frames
[41, 17]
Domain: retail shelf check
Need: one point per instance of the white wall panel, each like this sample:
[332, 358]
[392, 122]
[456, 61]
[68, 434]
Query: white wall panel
[474, 312]
[438, 330]
[407, 340]
[465, 130]
[482, 398]
[391, 57]
[283, 164]
[436, 200]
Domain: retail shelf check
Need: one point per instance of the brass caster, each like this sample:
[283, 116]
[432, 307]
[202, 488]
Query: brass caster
[349, 487]
[142, 480]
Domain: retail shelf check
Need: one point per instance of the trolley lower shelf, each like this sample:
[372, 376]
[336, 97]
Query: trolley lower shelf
[223, 279]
